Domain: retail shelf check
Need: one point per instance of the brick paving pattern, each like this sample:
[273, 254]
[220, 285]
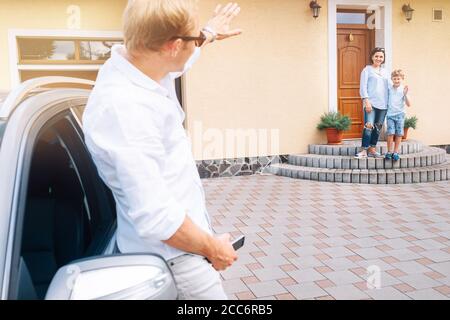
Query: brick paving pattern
[312, 240]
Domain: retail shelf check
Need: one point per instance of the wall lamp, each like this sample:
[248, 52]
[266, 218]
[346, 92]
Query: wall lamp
[408, 11]
[315, 7]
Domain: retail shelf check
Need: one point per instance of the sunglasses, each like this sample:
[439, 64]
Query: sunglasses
[198, 40]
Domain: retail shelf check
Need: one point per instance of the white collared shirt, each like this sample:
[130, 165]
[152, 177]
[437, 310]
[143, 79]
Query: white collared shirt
[374, 86]
[133, 128]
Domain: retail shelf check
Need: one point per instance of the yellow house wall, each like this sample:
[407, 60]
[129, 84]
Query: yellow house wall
[422, 49]
[98, 15]
[274, 76]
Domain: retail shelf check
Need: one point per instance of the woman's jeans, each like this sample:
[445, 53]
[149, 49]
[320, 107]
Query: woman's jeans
[373, 123]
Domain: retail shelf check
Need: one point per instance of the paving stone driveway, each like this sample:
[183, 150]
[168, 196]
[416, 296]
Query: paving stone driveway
[313, 240]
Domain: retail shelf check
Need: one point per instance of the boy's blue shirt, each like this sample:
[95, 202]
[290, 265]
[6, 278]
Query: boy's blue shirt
[396, 100]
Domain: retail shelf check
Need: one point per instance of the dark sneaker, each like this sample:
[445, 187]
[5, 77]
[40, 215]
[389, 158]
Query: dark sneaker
[388, 156]
[395, 157]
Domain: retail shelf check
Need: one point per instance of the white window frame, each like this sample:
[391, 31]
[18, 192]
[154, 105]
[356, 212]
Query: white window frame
[15, 67]
[383, 38]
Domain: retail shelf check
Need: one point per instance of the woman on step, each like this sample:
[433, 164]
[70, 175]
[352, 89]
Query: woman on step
[374, 93]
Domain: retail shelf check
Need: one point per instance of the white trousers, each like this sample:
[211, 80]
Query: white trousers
[196, 279]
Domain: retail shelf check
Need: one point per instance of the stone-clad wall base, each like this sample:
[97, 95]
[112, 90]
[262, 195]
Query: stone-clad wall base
[237, 167]
[446, 147]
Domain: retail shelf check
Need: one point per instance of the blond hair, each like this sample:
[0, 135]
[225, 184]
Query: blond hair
[148, 24]
[398, 73]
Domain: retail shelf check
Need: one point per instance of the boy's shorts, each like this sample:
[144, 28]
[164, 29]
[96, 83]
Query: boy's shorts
[395, 125]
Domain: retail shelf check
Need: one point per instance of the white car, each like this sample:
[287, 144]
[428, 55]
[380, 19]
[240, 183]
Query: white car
[57, 217]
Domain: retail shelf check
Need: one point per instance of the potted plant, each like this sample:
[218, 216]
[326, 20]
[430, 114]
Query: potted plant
[410, 122]
[334, 123]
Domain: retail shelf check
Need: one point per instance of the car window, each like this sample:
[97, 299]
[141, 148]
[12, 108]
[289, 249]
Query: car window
[69, 213]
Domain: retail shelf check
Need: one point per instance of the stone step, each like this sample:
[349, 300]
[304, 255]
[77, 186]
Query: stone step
[351, 147]
[374, 176]
[427, 157]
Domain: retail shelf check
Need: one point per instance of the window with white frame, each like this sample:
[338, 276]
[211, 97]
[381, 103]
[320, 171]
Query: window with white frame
[62, 56]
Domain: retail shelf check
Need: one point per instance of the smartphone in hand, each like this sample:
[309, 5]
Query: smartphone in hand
[238, 242]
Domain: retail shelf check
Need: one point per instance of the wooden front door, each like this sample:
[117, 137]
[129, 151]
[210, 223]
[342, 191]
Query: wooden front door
[354, 44]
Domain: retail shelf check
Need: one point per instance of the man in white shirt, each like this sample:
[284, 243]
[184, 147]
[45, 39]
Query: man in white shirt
[133, 126]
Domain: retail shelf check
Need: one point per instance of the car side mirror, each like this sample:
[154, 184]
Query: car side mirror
[115, 277]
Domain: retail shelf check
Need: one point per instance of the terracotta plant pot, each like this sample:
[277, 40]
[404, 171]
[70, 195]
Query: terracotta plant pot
[405, 133]
[334, 136]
